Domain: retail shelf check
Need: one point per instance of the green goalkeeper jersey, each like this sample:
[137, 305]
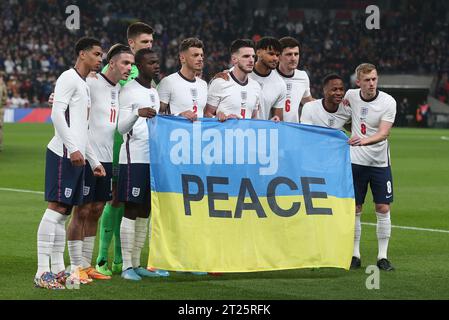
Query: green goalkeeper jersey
[134, 73]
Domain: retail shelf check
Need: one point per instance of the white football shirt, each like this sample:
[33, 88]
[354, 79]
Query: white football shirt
[69, 115]
[133, 96]
[103, 115]
[298, 87]
[234, 97]
[366, 117]
[273, 94]
[183, 94]
[314, 113]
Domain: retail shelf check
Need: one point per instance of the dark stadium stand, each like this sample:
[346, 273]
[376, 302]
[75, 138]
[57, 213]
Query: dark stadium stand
[35, 46]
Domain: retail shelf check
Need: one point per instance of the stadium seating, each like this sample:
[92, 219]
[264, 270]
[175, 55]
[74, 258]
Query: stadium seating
[413, 37]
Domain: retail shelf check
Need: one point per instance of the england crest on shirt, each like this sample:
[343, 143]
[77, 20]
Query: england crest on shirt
[289, 90]
[194, 93]
[331, 122]
[113, 97]
[153, 99]
[364, 112]
[86, 190]
[67, 192]
[243, 95]
[135, 192]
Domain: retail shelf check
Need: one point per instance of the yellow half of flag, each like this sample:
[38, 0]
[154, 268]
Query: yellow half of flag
[198, 242]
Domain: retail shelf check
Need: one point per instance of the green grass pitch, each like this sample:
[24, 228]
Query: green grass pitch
[420, 160]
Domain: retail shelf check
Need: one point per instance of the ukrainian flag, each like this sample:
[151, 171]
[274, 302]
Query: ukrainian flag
[249, 195]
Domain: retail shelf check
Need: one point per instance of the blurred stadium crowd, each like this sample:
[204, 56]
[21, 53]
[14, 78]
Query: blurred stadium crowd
[35, 45]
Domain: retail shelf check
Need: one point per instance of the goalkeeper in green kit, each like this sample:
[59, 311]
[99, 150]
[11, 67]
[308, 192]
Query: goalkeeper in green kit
[140, 35]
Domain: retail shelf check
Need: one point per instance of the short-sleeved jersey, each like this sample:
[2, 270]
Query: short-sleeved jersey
[183, 94]
[234, 97]
[73, 93]
[298, 87]
[103, 115]
[134, 96]
[314, 113]
[366, 118]
[273, 94]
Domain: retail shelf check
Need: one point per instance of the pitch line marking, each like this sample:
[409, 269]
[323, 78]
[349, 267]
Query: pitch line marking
[365, 223]
[21, 190]
[410, 228]
[444, 138]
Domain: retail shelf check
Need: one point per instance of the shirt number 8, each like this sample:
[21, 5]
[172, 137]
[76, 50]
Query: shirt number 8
[363, 128]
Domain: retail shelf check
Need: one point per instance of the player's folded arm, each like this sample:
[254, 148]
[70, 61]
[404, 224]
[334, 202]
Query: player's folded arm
[127, 118]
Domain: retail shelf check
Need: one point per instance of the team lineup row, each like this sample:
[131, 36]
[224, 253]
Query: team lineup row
[86, 153]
